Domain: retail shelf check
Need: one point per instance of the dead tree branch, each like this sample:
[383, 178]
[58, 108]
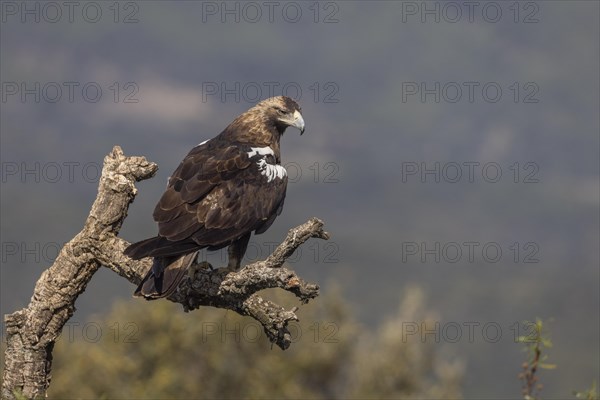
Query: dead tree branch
[32, 331]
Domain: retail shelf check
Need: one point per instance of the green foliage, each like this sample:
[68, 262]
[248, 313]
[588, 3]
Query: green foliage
[535, 343]
[154, 350]
[19, 395]
[590, 394]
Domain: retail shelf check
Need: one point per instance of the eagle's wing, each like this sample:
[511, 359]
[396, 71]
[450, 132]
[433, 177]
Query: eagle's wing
[216, 195]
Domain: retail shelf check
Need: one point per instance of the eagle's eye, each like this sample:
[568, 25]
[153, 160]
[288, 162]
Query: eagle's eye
[279, 110]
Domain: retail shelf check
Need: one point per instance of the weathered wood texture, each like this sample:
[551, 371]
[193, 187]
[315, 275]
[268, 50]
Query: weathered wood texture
[32, 331]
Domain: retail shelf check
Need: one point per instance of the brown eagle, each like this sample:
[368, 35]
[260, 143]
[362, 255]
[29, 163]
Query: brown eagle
[224, 189]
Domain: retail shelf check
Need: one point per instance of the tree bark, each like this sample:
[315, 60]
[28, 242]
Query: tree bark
[32, 331]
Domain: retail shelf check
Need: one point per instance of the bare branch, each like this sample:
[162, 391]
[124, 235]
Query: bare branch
[32, 331]
[295, 238]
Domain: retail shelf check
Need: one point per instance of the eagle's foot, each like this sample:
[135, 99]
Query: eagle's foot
[203, 266]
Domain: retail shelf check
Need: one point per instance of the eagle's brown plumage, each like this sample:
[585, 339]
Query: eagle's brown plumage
[224, 189]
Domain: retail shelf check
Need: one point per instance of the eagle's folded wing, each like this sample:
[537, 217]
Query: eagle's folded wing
[217, 194]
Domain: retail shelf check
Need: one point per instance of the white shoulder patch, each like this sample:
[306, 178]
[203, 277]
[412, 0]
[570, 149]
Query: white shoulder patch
[262, 151]
[200, 144]
[271, 171]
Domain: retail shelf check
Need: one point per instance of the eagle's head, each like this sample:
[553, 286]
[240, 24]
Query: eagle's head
[280, 111]
[264, 123]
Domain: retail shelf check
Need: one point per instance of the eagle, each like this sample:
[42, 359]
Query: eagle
[224, 189]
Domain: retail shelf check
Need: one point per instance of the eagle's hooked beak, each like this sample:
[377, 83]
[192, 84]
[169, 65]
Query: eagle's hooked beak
[298, 121]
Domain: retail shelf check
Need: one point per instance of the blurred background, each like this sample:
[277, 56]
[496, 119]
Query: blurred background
[452, 149]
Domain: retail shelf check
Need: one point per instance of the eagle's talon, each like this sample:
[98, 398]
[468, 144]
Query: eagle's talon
[203, 266]
[209, 266]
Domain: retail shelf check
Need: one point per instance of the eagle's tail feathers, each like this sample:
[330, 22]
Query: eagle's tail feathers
[164, 277]
[142, 248]
[159, 246]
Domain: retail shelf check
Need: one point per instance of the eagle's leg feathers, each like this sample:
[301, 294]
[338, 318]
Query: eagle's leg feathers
[236, 252]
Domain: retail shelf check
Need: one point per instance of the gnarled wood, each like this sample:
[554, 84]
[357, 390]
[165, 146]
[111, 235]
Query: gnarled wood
[32, 331]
